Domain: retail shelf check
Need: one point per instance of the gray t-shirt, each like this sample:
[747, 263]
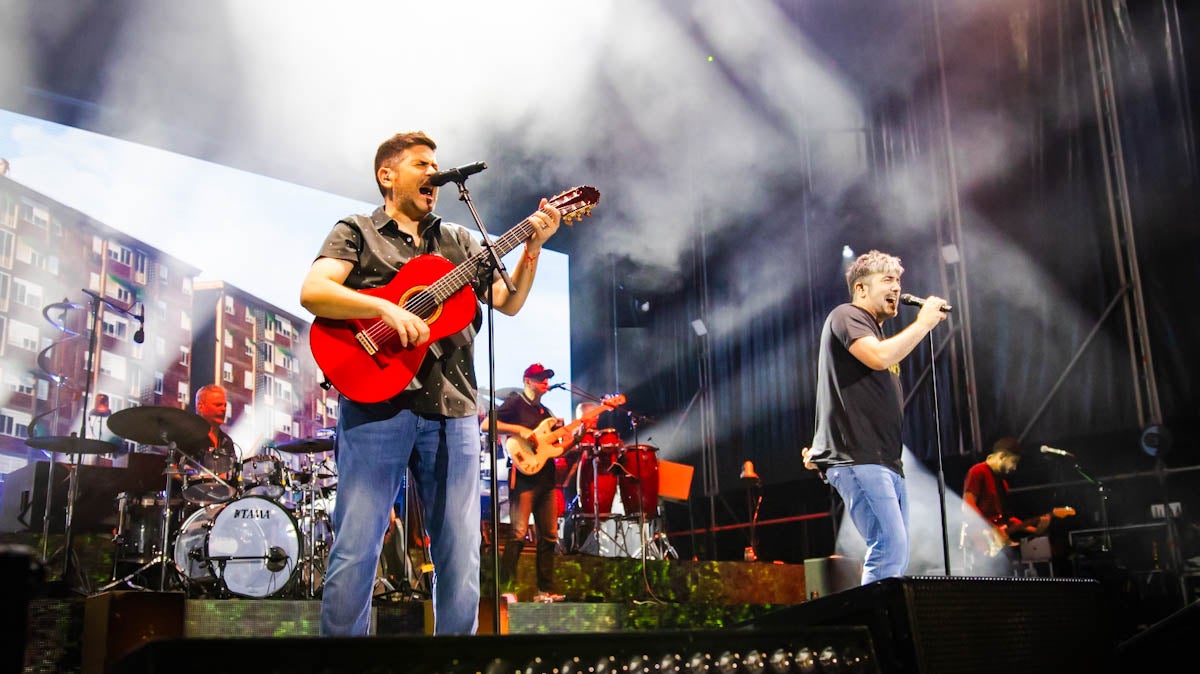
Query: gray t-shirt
[445, 384]
[859, 410]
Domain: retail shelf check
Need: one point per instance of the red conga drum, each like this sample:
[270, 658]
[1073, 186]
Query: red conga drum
[639, 480]
[596, 492]
[561, 468]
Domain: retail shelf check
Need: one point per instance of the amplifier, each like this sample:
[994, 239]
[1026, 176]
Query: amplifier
[23, 503]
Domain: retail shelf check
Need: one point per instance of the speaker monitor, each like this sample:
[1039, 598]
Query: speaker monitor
[23, 502]
[824, 576]
[949, 625]
[118, 623]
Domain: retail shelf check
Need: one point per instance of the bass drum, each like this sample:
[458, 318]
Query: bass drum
[250, 546]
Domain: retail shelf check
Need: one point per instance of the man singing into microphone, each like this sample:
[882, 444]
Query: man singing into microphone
[856, 442]
[431, 426]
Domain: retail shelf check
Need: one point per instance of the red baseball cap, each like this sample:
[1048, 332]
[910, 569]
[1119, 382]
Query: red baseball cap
[538, 371]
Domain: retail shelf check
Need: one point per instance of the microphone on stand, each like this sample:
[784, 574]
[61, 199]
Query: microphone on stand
[913, 301]
[276, 559]
[554, 386]
[1046, 449]
[456, 175]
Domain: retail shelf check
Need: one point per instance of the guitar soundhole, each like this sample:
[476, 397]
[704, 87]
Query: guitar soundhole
[419, 302]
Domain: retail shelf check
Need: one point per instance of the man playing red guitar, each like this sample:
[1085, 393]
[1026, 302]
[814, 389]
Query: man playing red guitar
[430, 426]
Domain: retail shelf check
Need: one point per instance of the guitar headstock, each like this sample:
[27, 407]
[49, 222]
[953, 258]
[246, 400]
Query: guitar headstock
[614, 401]
[576, 203]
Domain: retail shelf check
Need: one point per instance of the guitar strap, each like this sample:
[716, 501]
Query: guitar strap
[1001, 491]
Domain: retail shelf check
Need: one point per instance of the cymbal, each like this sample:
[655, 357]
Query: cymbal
[69, 444]
[306, 446]
[160, 426]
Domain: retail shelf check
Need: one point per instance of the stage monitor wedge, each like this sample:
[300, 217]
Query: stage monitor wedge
[951, 625]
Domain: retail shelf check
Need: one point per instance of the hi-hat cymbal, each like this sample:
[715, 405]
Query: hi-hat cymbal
[306, 446]
[160, 426]
[69, 444]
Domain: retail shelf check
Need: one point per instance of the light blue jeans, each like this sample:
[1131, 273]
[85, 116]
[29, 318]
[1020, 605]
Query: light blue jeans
[372, 456]
[877, 502]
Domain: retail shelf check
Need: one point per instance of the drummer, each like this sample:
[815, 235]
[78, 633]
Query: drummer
[210, 405]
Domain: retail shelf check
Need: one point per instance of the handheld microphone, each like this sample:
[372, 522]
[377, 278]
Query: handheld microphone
[1046, 449]
[918, 302]
[456, 175]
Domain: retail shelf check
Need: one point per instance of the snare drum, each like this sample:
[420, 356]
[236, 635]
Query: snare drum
[251, 544]
[262, 476]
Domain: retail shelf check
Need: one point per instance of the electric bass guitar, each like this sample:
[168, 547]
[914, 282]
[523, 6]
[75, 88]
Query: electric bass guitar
[997, 536]
[363, 359]
[547, 442]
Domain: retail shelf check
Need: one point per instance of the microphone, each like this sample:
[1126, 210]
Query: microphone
[140, 335]
[1046, 449]
[276, 559]
[554, 386]
[918, 302]
[456, 175]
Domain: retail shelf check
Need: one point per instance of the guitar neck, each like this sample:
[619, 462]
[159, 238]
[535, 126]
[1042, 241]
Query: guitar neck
[449, 284]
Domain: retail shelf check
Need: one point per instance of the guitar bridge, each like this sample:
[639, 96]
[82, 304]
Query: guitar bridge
[366, 343]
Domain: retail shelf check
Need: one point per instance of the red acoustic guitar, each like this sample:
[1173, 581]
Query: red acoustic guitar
[363, 359]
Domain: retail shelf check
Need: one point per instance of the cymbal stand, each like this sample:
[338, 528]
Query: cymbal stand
[45, 365]
[310, 538]
[73, 489]
[162, 558]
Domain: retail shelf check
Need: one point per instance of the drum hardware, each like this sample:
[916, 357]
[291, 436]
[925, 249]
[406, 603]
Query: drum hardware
[168, 427]
[75, 447]
[307, 479]
[263, 476]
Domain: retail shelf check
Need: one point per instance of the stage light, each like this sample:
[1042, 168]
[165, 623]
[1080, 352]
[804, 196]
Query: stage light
[781, 661]
[790, 650]
[754, 662]
[1156, 440]
[698, 663]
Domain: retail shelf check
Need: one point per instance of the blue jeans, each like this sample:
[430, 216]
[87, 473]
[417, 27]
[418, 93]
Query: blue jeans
[373, 453]
[878, 505]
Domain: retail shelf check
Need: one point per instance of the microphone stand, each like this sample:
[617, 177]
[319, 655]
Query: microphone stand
[69, 561]
[937, 428]
[495, 264]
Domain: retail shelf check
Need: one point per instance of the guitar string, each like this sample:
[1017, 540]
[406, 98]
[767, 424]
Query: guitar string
[428, 300]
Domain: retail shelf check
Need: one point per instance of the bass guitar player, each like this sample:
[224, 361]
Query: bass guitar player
[990, 533]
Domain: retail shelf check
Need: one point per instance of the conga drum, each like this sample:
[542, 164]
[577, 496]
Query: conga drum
[639, 480]
[596, 492]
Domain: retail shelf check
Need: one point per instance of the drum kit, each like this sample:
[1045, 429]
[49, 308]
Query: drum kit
[223, 528]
